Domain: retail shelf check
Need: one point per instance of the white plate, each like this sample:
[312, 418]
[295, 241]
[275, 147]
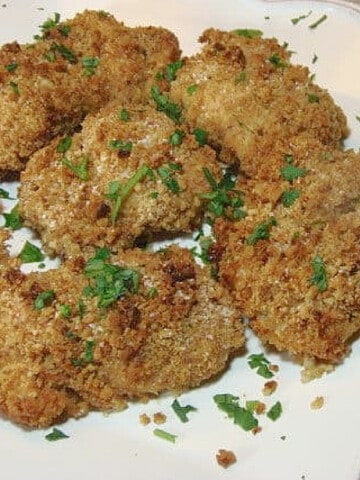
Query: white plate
[303, 443]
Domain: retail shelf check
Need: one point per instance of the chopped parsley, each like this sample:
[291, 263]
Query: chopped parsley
[319, 277]
[30, 253]
[152, 293]
[56, 435]
[224, 200]
[121, 146]
[163, 104]
[124, 115]
[240, 77]
[65, 310]
[108, 282]
[172, 68]
[313, 98]
[192, 89]
[81, 169]
[290, 172]
[200, 136]
[44, 299]
[261, 232]
[358, 118]
[230, 405]
[89, 64]
[182, 412]
[64, 30]
[166, 174]
[118, 193]
[13, 219]
[89, 351]
[318, 22]
[14, 87]
[176, 137]
[11, 67]
[5, 194]
[64, 144]
[50, 23]
[260, 363]
[277, 61]
[248, 32]
[296, 20]
[158, 432]
[289, 197]
[275, 411]
[314, 58]
[65, 52]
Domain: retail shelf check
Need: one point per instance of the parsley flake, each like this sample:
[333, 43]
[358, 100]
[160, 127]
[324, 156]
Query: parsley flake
[289, 197]
[56, 435]
[13, 219]
[163, 104]
[230, 405]
[200, 136]
[248, 32]
[275, 411]
[290, 172]
[5, 194]
[30, 253]
[64, 144]
[81, 169]
[261, 364]
[166, 174]
[277, 61]
[44, 299]
[176, 138]
[11, 67]
[296, 20]
[319, 277]
[89, 64]
[124, 115]
[158, 432]
[261, 231]
[318, 22]
[172, 68]
[182, 412]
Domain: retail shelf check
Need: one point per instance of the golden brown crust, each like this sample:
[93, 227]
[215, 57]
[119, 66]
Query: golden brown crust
[49, 90]
[72, 214]
[53, 365]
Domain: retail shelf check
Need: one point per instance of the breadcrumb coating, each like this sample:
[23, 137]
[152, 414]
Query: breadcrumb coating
[252, 100]
[68, 355]
[74, 68]
[73, 214]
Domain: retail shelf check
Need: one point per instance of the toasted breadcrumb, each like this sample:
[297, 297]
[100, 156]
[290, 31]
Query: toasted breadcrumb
[314, 369]
[225, 458]
[270, 387]
[144, 419]
[159, 418]
[317, 403]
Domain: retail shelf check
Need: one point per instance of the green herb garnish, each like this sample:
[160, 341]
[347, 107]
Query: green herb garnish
[80, 169]
[14, 87]
[124, 115]
[261, 231]
[44, 299]
[166, 174]
[289, 197]
[277, 61]
[120, 145]
[172, 68]
[64, 30]
[89, 64]
[261, 364]
[318, 22]
[176, 137]
[55, 435]
[64, 144]
[275, 411]
[65, 52]
[158, 432]
[200, 136]
[319, 277]
[5, 195]
[290, 172]
[65, 310]
[30, 253]
[192, 89]
[182, 412]
[230, 405]
[108, 282]
[224, 200]
[118, 193]
[11, 67]
[89, 351]
[13, 219]
[50, 23]
[313, 98]
[163, 104]
[296, 20]
[248, 32]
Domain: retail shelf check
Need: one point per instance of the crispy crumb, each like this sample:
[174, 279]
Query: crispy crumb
[159, 418]
[317, 403]
[270, 387]
[256, 430]
[225, 458]
[274, 368]
[144, 419]
[260, 408]
[314, 369]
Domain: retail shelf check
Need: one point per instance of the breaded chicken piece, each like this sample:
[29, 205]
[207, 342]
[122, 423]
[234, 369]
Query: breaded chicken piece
[120, 181]
[75, 67]
[292, 264]
[249, 98]
[94, 334]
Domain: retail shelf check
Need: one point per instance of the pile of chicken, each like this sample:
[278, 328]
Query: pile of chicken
[119, 143]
